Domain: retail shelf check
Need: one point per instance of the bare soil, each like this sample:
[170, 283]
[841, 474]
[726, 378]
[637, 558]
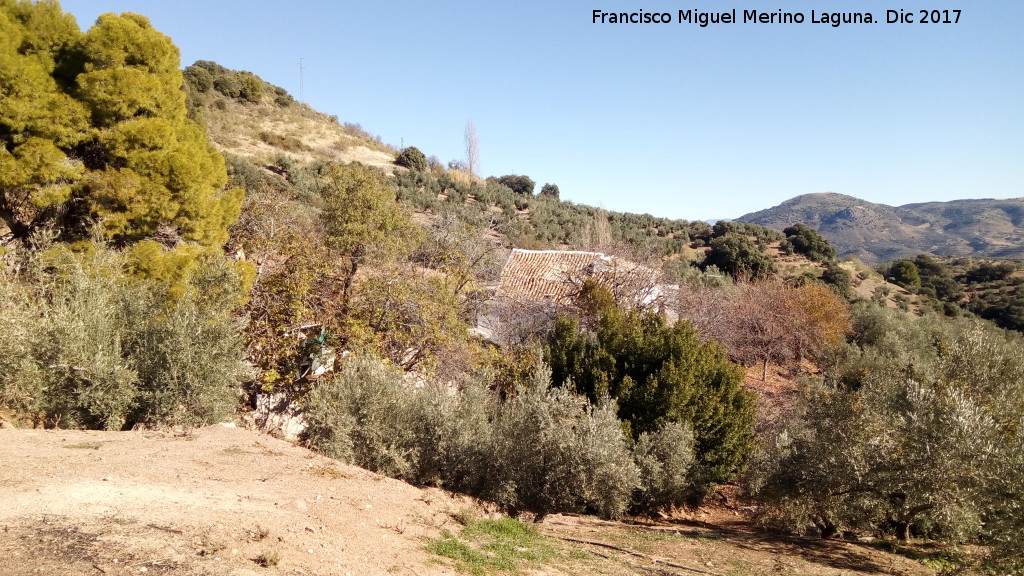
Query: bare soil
[208, 502]
[227, 501]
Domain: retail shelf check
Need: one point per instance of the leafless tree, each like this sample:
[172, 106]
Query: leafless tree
[472, 150]
[768, 322]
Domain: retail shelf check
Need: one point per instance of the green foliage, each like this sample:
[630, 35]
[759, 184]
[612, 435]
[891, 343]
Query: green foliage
[761, 234]
[412, 158]
[914, 428]
[251, 87]
[657, 374]
[360, 215]
[198, 78]
[805, 240]
[519, 184]
[990, 272]
[229, 85]
[739, 257]
[494, 546]
[362, 220]
[665, 459]
[550, 223]
[543, 450]
[412, 317]
[905, 274]
[556, 452]
[94, 128]
[550, 191]
[98, 348]
[839, 279]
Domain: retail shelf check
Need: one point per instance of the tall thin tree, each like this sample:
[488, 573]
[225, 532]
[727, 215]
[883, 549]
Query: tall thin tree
[472, 150]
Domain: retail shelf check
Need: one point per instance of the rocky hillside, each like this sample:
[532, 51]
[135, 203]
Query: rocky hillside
[879, 233]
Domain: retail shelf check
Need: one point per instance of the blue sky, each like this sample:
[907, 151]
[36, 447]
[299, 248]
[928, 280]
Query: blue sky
[670, 119]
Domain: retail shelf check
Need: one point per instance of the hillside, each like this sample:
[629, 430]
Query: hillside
[224, 501]
[197, 245]
[878, 233]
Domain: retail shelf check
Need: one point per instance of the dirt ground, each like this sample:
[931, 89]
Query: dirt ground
[209, 502]
[227, 501]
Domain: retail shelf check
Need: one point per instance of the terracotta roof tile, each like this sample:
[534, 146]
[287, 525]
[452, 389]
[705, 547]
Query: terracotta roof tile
[556, 275]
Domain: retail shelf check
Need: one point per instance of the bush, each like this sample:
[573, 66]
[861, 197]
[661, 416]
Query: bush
[740, 257]
[904, 273]
[913, 429]
[190, 360]
[554, 452]
[251, 87]
[657, 374]
[543, 450]
[97, 348]
[412, 159]
[199, 78]
[803, 239]
[987, 272]
[550, 191]
[839, 279]
[364, 415]
[519, 184]
[228, 85]
[666, 461]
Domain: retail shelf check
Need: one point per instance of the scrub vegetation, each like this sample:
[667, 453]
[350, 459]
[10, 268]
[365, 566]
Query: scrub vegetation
[150, 278]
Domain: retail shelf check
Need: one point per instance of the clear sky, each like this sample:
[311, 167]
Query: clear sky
[670, 119]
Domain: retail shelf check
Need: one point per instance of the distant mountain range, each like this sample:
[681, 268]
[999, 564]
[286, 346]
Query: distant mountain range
[879, 233]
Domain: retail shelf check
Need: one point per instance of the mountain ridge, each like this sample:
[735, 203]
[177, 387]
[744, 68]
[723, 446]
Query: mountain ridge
[875, 233]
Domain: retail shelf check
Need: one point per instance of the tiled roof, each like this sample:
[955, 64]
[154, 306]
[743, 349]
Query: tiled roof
[556, 275]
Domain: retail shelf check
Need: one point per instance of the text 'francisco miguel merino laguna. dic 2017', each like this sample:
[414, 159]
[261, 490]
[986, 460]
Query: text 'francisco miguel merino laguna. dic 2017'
[834, 19]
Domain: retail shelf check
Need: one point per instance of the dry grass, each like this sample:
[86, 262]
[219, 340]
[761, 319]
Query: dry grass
[264, 131]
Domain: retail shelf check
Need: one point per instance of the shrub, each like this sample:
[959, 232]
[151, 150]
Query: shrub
[290, 143]
[251, 87]
[518, 183]
[412, 159]
[550, 191]
[913, 429]
[905, 274]
[987, 272]
[553, 451]
[740, 257]
[200, 78]
[228, 85]
[543, 450]
[190, 362]
[665, 460]
[118, 350]
[363, 415]
[839, 279]
[803, 239]
[657, 374]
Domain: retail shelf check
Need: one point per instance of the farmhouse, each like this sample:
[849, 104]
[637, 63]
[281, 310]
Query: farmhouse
[535, 284]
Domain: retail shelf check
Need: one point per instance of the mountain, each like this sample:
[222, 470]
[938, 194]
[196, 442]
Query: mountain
[881, 233]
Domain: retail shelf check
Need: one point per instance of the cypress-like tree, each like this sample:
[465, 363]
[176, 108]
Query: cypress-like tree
[657, 374]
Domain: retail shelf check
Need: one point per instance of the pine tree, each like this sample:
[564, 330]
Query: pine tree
[93, 128]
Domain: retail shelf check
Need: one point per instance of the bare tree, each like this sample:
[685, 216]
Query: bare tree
[769, 322]
[472, 150]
